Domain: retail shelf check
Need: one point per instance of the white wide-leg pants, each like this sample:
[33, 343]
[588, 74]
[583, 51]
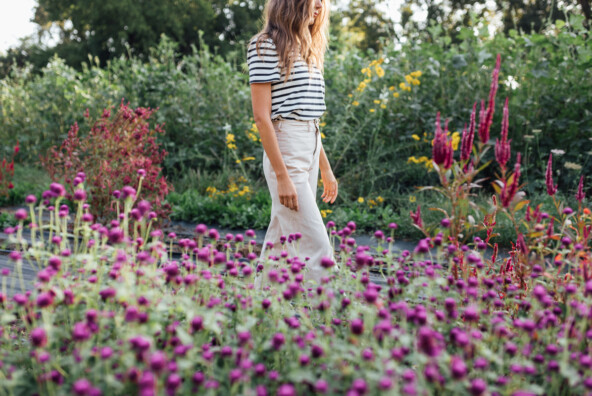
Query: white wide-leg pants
[300, 145]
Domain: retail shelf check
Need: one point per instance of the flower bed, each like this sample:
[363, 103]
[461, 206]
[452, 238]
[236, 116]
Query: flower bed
[112, 313]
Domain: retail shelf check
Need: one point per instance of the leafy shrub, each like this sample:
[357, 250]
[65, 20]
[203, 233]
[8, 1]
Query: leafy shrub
[119, 150]
[202, 98]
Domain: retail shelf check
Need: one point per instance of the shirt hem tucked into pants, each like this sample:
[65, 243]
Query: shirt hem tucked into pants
[300, 145]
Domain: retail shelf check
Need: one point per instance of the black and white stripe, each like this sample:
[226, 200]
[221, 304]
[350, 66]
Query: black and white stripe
[301, 98]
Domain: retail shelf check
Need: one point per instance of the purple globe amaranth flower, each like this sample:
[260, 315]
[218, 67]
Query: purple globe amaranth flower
[39, 337]
[106, 352]
[116, 235]
[30, 199]
[286, 390]
[107, 293]
[82, 387]
[502, 148]
[173, 382]
[278, 341]
[551, 189]
[15, 256]
[445, 222]
[458, 368]
[321, 386]
[158, 361]
[20, 214]
[128, 192]
[478, 387]
[423, 246]
[57, 189]
[357, 326]
[81, 331]
[196, 324]
[44, 299]
[79, 195]
[580, 195]
[427, 342]
[360, 386]
[471, 314]
[486, 117]
[442, 152]
[567, 211]
[144, 206]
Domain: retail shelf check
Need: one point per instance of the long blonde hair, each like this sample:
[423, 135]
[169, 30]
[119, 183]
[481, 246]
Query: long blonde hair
[286, 23]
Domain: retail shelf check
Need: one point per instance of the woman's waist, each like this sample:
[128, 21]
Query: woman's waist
[297, 123]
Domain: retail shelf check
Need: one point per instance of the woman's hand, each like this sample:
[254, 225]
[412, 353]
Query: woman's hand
[329, 186]
[287, 193]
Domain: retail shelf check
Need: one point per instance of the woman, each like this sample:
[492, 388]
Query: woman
[288, 93]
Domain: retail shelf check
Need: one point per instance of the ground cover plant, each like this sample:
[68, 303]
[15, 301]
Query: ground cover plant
[121, 308]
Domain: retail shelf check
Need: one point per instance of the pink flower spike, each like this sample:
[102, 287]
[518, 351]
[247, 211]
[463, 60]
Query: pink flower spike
[486, 118]
[580, 195]
[502, 148]
[551, 189]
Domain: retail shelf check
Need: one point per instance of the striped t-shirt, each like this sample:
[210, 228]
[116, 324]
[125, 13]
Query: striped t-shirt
[302, 97]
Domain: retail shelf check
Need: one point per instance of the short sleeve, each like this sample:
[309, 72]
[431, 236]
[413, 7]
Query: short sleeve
[263, 68]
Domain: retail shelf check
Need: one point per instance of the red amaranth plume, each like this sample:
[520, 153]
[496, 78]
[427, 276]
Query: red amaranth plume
[468, 137]
[580, 195]
[509, 191]
[551, 189]
[502, 148]
[486, 117]
[442, 152]
[416, 217]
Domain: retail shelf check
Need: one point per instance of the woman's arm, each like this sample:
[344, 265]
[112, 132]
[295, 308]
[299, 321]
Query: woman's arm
[329, 182]
[261, 98]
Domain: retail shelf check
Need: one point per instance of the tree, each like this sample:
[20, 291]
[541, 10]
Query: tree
[364, 25]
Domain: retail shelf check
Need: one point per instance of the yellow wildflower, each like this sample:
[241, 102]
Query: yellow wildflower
[361, 199]
[396, 94]
[402, 85]
[355, 103]
[383, 106]
[392, 88]
[379, 71]
[322, 124]
[412, 198]
[350, 95]
[380, 60]
[415, 82]
[325, 212]
[322, 135]
[232, 187]
[238, 161]
[361, 86]
[229, 138]
[254, 128]
[373, 63]
[253, 137]
[413, 159]
[380, 199]
[408, 78]
[371, 203]
[248, 158]
[416, 74]
[376, 101]
[232, 146]
[415, 137]
[455, 140]
[372, 110]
